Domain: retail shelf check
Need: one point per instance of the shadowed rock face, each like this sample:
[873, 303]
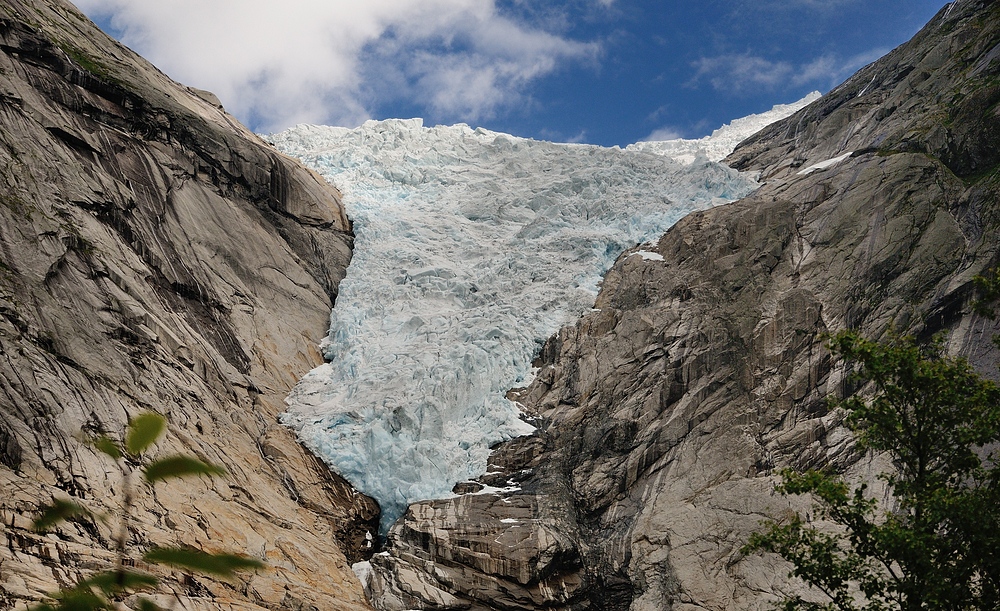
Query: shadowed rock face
[668, 410]
[158, 256]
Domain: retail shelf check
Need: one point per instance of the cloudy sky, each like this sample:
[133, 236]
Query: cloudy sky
[599, 71]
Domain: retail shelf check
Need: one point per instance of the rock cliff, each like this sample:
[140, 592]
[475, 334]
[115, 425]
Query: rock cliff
[667, 411]
[158, 256]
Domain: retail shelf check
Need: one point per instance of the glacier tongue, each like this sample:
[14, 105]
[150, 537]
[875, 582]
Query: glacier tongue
[472, 248]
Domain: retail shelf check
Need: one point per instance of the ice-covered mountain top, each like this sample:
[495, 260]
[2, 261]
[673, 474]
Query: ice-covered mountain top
[472, 248]
[723, 140]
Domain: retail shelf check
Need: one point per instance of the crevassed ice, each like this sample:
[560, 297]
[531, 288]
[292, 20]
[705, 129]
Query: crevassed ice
[723, 140]
[472, 247]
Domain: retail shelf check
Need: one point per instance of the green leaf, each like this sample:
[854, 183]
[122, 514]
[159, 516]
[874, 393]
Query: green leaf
[221, 565]
[937, 549]
[179, 466]
[144, 430]
[988, 293]
[113, 582]
[76, 599]
[108, 445]
[58, 511]
[147, 605]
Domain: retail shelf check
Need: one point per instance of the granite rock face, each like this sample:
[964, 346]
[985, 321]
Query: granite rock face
[158, 256]
[668, 410]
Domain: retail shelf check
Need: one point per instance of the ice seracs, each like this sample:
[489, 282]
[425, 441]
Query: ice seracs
[723, 140]
[472, 247]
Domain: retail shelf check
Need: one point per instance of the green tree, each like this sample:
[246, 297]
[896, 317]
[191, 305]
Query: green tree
[105, 589]
[935, 544]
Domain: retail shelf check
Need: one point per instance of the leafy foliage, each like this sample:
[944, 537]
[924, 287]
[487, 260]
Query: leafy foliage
[220, 565]
[937, 547]
[144, 604]
[113, 582]
[828, 561]
[988, 289]
[179, 466]
[104, 590]
[143, 432]
[58, 511]
[108, 446]
[76, 599]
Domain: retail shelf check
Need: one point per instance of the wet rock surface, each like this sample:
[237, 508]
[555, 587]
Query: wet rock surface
[158, 256]
[666, 412]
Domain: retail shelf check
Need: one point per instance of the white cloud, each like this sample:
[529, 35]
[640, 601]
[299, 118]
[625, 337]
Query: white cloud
[664, 133]
[557, 136]
[835, 70]
[739, 74]
[327, 61]
[816, 6]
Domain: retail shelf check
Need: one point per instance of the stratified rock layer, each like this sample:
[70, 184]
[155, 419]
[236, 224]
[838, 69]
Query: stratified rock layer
[158, 256]
[668, 410]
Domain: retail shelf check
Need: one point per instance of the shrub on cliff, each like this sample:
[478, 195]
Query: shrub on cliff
[936, 544]
[105, 589]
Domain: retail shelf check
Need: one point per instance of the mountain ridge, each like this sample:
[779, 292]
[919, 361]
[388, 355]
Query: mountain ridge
[668, 410]
[159, 256]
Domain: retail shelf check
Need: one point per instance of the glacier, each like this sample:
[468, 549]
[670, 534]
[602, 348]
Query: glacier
[472, 247]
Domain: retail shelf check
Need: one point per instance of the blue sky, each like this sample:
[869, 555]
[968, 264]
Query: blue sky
[598, 71]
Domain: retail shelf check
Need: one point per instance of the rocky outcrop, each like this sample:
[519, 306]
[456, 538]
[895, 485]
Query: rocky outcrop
[158, 256]
[667, 411]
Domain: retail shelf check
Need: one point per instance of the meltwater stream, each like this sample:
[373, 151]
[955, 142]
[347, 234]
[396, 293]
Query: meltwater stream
[472, 247]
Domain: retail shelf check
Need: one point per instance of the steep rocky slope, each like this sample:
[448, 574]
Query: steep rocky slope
[158, 256]
[667, 411]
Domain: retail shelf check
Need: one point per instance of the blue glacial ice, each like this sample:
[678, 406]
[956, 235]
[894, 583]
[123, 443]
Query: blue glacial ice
[472, 247]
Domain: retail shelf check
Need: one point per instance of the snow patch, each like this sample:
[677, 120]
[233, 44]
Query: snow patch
[865, 90]
[822, 165]
[647, 256]
[363, 571]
